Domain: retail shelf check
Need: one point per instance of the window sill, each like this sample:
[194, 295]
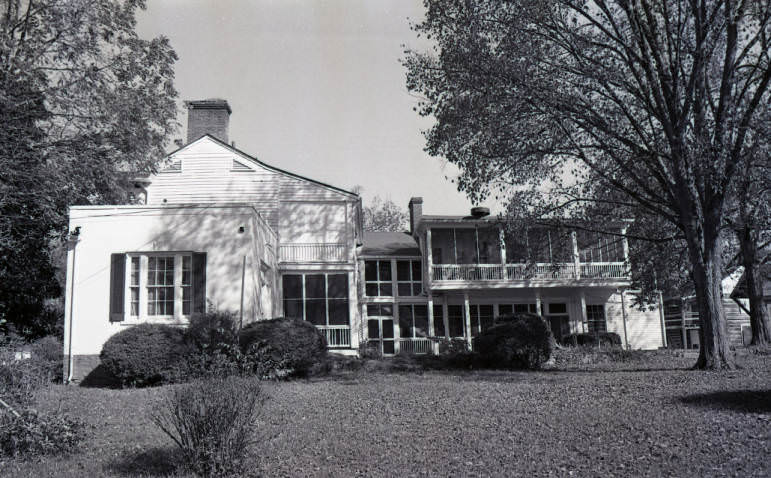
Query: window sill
[156, 320]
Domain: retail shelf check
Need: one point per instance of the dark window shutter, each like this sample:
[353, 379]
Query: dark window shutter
[199, 282]
[117, 286]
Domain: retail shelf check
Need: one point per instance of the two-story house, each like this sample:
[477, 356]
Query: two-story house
[219, 228]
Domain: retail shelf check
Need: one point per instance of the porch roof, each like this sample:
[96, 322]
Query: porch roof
[389, 244]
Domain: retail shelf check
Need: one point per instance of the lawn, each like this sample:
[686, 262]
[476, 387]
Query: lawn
[672, 422]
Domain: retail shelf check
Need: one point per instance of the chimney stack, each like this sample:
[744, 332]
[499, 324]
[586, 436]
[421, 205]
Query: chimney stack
[210, 116]
[416, 210]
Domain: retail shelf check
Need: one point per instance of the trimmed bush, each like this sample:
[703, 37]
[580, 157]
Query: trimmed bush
[609, 339]
[146, 354]
[212, 422]
[212, 331]
[525, 342]
[31, 433]
[280, 347]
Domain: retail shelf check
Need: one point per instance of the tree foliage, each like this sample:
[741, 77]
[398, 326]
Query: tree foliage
[85, 103]
[383, 215]
[659, 101]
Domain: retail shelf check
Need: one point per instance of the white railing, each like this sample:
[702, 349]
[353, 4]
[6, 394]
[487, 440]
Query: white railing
[499, 272]
[599, 270]
[414, 346]
[338, 336]
[315, 252]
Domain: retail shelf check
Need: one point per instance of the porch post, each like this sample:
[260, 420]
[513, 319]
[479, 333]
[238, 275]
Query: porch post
[429, 260]
[582, 299]
[625, 246]
[576, 255]
[445, 317]
[467, 318]
[397, 330]
[354, 321]
[502, 243]
[538, 309]
[430, 311]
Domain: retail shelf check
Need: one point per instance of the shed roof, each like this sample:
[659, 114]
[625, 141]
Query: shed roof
[389, 244]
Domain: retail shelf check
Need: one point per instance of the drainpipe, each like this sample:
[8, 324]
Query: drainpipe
[243, 280]
[73, 240]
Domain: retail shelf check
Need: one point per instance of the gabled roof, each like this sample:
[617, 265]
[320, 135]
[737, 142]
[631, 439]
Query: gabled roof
[262, 164]
[389, 244]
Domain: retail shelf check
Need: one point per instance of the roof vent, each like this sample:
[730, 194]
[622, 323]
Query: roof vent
[480, 212]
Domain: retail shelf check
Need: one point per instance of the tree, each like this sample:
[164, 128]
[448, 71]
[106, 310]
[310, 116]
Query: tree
[86, 104]
[385, 215]
[658, 100]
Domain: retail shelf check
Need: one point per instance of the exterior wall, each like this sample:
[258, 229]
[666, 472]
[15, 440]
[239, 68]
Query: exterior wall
[314, 222]
[212, 229]
[643, 324]
[736, 319]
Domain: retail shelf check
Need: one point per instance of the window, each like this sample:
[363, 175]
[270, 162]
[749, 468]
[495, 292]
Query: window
[377, 278]
[321, 299]
[158, 285]
[481, 318]
[595, 318]
[409, 278]
[516, 309]
[380, 328]
[413, 321]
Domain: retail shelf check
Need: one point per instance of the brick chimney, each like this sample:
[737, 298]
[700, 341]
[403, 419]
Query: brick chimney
[210, 116]
[416, 210]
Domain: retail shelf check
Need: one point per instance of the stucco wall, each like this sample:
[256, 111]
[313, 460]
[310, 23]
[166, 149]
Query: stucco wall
[212, 229]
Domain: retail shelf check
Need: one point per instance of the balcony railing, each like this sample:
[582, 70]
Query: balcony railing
[338, 336]
[314, 252]
[538, 271]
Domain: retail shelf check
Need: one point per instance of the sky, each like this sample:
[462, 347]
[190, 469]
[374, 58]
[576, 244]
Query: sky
[316, 88]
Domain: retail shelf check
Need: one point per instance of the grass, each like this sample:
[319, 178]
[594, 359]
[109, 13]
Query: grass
[662, 422]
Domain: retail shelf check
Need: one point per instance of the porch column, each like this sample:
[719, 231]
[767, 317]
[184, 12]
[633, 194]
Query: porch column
[467, 318]
[397, 331]
[625, 246]
[502, 242]
[538, 309]
[582, 303]
[576, 255]
[445, 317]
[354, 322]
[429, 261]
[430, 311]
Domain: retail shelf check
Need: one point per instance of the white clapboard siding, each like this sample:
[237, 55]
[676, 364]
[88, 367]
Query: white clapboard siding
[214, 173]
[643, 325]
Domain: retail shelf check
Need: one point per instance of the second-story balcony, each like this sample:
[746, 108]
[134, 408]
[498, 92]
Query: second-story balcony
[315, 252]
[528, 272]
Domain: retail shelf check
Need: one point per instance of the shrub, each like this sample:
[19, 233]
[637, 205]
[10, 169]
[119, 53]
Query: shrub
[523, 343]
[278, 347]
[609, 339]
[211, 422]
[146, 354]
[212, 331]
[21, 377]
[33, 433]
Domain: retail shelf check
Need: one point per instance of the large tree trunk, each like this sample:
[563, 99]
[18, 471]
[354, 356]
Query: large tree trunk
[754, 284]
[705, 251]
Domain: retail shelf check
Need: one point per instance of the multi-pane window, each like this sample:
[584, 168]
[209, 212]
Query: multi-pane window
[596, 247]
[595, 318]
[160, 285]
[134, 287]
[558, 319]
[409, 278]
[413, 321]
[377, 278]
[516, 309]
[481, 318]
[321, 299]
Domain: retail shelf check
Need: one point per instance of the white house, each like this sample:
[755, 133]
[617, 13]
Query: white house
[219, 227]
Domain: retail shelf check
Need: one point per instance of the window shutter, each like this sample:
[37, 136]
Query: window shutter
[117, 286]
[199, 282]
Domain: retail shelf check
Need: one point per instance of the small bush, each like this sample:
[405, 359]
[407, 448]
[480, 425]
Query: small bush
[32, 433]
[21, 377]
[212, 422]
[212, 331]
[604, 339]
[146, 354]
[523, 343]
[279, 347]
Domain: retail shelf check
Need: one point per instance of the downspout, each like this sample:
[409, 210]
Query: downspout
[74, 238]
[243, 281]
